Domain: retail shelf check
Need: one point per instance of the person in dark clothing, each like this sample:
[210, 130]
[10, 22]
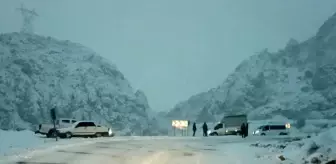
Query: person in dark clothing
[194, 129]
[242, 130]
[205, 129]
[246, 130]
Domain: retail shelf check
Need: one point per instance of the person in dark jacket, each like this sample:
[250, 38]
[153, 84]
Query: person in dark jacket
[242, 130]
[205, 129]
[194, 129]
[246, 129]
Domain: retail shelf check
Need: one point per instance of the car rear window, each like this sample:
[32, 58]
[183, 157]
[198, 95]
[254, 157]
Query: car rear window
[65, 121]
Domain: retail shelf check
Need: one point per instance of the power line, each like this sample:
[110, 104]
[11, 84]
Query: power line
[28, 17]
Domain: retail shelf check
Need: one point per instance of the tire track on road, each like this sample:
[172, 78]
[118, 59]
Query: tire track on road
[58, 156]
[112, 152]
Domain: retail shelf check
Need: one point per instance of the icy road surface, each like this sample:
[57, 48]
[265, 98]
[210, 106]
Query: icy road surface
[151, 150]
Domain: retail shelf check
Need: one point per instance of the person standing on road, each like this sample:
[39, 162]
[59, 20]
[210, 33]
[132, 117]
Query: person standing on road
[194, 129]
[242, 130]
[205, 129]
[246, 129]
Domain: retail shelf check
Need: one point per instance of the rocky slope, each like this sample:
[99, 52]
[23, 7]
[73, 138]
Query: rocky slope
[38, 73]
[297, 81]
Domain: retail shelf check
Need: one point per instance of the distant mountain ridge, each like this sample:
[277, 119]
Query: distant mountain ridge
[298, 81]
[38, 73]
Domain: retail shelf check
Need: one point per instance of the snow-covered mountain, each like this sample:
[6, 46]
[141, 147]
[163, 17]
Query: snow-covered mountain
[297, 81]
[38, 73]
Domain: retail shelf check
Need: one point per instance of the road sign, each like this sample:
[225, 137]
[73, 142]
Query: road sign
[180, 124]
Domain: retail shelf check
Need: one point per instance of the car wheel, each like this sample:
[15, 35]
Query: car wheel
[281, 134]
[52, 133]
[215, 134]
[263, 134]
[68, 135]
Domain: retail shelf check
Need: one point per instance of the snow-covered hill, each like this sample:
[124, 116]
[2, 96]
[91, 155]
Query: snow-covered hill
[38, 73]
[297, 81]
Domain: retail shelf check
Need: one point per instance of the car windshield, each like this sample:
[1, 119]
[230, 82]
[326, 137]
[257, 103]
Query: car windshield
[261, 127]
[74, 124]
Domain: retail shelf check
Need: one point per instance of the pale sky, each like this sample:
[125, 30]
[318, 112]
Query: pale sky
[173, 49]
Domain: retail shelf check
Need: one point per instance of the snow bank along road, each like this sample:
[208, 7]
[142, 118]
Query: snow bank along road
[147, 150]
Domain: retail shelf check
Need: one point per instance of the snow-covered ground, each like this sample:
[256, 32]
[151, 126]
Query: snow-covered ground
[20, 142]
[148, 150]
[28, 147]
[316, 149]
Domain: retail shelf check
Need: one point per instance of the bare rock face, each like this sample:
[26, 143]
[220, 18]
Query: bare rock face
[298, 81]
[38, 73]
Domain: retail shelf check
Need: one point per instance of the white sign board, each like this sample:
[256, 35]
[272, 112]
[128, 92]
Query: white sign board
[180, 124]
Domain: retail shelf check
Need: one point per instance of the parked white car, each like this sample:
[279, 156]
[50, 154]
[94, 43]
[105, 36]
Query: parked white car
[50, 131]
[272, 130]
[85, 129]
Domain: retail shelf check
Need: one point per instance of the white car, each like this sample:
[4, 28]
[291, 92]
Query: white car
[272, 130]
[84, 129]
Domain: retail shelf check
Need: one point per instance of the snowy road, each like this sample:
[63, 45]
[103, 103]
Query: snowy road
[147, 150]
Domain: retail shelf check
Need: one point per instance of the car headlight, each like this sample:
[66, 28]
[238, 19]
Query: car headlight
[226, 131]
[288, 126]
[109, 131]
[257, 131]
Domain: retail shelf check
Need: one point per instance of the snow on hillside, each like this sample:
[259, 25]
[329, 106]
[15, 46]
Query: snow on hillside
[296, 82]
[38, 73]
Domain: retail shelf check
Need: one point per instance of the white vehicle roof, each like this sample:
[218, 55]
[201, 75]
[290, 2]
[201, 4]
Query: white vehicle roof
[76, 123]
[66, 119]
[85, 121]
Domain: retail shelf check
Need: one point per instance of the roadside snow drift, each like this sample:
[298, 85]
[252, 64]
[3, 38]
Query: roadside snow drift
[11, 141]
[318, 149]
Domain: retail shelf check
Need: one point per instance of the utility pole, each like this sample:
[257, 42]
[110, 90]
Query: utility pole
[28, 17]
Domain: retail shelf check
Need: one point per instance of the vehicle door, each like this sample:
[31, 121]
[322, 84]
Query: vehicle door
[91, 128]
[220, 129]
[80, 129]
[271, 130]
[279, 129]
[265, 130]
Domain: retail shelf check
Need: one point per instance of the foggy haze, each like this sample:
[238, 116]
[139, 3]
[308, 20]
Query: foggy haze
[173, 49]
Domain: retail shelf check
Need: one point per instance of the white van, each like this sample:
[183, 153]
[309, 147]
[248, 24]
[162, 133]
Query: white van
[272, 130]
[220, 130]
[230, 125]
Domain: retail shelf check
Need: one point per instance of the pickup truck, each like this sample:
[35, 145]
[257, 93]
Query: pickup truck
[50, 131]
